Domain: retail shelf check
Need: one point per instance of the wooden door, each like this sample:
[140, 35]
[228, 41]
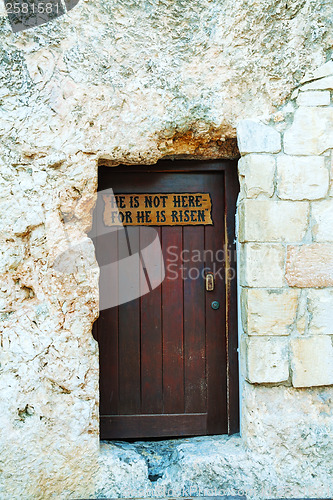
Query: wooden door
[168, 360]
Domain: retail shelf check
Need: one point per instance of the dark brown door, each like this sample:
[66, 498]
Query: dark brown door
[168, 359]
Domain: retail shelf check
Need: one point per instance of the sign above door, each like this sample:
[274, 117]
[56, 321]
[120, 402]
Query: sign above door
[158, 209]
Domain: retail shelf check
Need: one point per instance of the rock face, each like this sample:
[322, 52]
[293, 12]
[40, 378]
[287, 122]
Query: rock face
[222, 465]
[132, 82]
[135, 81]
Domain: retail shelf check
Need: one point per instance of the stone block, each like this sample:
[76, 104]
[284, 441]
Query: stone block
[320, 72]
[314, 98]
[311, 132]
[268, 312]
[256, 137]
[262, 265]
[267, 360]
[268, 220]
[320, 307]
[256, 175]
[312, 361]
[330, 192]
[304, 178]
[310, 266]
[321, 84]
[11, 255]
[322, 220]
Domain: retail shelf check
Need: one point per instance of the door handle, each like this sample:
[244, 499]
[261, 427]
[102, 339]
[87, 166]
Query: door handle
[210, 283]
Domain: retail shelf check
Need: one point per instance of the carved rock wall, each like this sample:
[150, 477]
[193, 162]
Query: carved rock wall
[132, 82]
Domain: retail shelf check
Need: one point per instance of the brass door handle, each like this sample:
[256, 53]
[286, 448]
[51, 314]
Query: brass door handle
[210, 283]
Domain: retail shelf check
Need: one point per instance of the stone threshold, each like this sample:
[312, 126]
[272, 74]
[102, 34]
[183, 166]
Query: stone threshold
[193, 468]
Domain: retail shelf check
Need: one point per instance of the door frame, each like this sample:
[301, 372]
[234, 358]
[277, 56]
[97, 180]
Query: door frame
[229, 167]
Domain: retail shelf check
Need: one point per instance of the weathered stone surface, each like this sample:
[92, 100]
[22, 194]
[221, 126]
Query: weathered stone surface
[256, 137]
[311, 132]
[123, 82]
[317, 73]
[269, 312]
[49, 360]
[144, 70]
[312, 361]
[330, 192]
[314, 98]
[310, 266]
[256, 174]
[303, 314]
[322, 220]
[262, 265]
[304, 178]
[293, 429]
[122, 472]
[268, 220]
[285, 419]
[320, 307]
[267, 360]
[322, 84]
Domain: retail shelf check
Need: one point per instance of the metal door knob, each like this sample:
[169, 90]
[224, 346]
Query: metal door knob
[215, 304]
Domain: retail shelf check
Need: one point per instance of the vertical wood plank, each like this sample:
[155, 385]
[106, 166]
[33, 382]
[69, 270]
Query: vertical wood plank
[151, 335]
[232, 190]
[172, 321]
[129, 328]
[194, 321]
[106, 254]
[216, 319]
[108, 342]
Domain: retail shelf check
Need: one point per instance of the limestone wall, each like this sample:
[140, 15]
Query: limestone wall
[286, 236]
[132, 82]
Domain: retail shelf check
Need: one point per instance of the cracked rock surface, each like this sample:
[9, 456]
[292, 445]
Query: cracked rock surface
[128, 82]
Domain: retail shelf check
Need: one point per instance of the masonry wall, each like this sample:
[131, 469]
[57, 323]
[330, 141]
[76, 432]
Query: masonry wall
[133, 82]
[285, 234]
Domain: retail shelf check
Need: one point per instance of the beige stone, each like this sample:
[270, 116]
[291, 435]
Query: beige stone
[314, 98]
[256, 175]
[321, 84]
[267, 360]
[269, 312]
[262, 265]
[320, 307]
[311, 132]
[302, 315]
[285, 425]
[310, 266]
[320, 72]
[127, 82]
[330, 193]
[312, 361]
[304, 178]
[256, 137]
[322, 220]
[146, 84]
[268, 220]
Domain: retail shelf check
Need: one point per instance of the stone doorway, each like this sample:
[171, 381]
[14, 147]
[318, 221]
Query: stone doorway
[173, 331]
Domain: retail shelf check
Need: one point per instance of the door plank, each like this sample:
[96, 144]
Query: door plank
[172, 321]
[215, 319]
[151, 337]
[194, 321]
[129, 329]
[108, 341]
[107, 324]
[141, 426]
[232, 190]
